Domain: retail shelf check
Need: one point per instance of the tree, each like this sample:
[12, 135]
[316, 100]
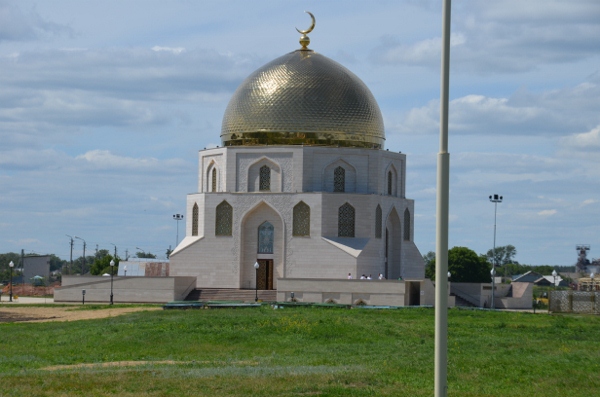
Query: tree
[102, 265]
[504, 255]
[464, 265]
[145, 255]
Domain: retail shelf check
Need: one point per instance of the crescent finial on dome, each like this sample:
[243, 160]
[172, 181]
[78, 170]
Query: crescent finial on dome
[304, 39]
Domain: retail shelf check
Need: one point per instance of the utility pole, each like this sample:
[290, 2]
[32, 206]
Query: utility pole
[127, 254]
[83, 265]
[115, 257]
[71, 266]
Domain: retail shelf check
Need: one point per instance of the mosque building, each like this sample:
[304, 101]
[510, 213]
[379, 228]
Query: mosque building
[301, 185]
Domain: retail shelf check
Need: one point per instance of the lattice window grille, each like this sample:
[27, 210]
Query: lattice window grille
[389, 183]
[266, 233]
[346, 221]
[339, 179]
[301, 222]
[224, 221]
[214, 180]
[265, 178]
[378, 222]
[195, 220]
[407, 225]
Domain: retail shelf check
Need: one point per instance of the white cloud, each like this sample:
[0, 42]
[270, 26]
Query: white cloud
[176, 50]
[587, 141]
[547, 212]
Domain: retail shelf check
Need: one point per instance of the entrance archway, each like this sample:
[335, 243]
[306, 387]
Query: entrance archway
[262, 242]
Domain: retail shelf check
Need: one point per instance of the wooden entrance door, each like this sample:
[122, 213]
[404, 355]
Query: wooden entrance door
[264, 278]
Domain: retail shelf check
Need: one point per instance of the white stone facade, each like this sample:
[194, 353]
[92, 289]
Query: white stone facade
[265, 183]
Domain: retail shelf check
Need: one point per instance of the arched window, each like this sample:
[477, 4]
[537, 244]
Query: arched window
[389, 183]
[224, 219]
[195, 220]
[407, 225]
[214, 180]
[265, 178]
[378, 222]
[339, 179]
[346, 221]
[265, 238]
[301, 220]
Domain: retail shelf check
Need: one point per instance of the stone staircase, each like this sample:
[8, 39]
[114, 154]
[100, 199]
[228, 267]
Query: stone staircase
[230, 294]
[461, 302]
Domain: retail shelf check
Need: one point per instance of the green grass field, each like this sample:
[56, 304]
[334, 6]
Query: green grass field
[301, 352]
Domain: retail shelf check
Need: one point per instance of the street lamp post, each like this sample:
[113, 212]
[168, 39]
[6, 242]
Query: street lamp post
[112, 267]
[591, 276]
[493, 273]
[554, 274]
[11, 265]
[83, 297]
[494, 199]
[256, 266]
[177, 217]
[125, 270]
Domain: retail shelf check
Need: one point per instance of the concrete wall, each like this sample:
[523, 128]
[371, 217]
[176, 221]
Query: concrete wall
[125, 289]
[347, 292]
[480, 294]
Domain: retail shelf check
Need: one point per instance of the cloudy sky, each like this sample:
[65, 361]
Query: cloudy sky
[105, 104]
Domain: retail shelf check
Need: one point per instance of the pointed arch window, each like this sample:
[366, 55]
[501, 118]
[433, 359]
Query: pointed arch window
[389, 183]
[407, 225]
[346, 216]
[378, 221]
[301, 220]
[339, 179]
[195, 220]
[264, 178]
[214, 180]
[224, 219]
[266, 233]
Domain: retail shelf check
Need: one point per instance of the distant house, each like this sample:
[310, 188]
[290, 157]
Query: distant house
[539, 279]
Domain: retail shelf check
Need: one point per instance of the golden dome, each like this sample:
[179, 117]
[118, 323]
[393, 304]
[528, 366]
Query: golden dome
[303, 98]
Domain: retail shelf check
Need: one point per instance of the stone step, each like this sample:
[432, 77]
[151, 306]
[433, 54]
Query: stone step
[230, 294]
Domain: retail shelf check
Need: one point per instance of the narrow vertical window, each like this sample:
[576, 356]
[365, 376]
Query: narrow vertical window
[265, 178]
[346, 221]
[224, 219]
[266, 233]
[378, 222]
[214, 180]
[389, 183]
[195, 220]
[406, 225]
[339, 179]
[301, 220]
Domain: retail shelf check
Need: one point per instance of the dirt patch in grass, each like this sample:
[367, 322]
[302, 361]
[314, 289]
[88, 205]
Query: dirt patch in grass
[52, 313]
[114, 364]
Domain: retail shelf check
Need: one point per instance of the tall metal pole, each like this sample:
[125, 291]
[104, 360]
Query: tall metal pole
[494, 199]
[442, 210]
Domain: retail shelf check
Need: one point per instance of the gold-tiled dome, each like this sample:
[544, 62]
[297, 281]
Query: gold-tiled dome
[303, 98]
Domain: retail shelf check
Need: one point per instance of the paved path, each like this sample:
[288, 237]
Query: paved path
[24, 299]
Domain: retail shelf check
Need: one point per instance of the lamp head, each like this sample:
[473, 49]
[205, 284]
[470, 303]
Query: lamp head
[554, 273]
[256, 265]
[112, 262]
[11, 264]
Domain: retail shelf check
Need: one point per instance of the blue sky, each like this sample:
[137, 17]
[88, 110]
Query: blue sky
[104, 106]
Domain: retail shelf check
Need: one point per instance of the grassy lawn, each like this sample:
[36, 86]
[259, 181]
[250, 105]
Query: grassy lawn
[301, 352]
